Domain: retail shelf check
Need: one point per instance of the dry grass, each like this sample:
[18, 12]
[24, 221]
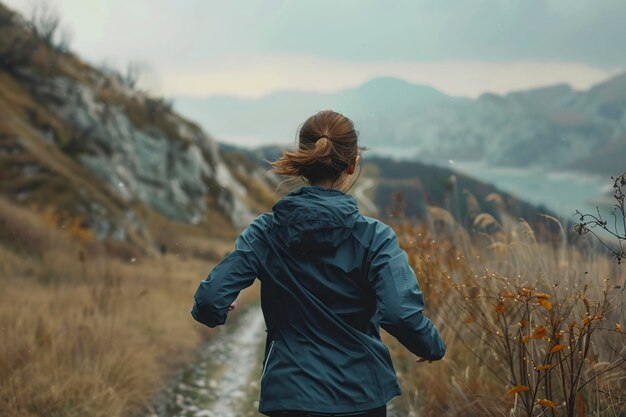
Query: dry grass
[84, 333]
[95, 329]
[515, 312]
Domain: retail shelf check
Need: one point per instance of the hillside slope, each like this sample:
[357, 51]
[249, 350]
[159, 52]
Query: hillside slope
[78, 141]
[389, 188]
[112, 209]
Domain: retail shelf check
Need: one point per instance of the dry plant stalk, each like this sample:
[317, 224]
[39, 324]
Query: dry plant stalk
[616, 238]
[84, 332]
[532, 328]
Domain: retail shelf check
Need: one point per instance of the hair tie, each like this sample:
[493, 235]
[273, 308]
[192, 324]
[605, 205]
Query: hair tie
[321, 137]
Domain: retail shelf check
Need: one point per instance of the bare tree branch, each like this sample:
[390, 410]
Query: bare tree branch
[590, 221]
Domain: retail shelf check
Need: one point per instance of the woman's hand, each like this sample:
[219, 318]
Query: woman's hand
[420, 359]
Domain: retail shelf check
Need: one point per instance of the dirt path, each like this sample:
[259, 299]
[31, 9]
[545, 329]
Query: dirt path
[367, 205]
[223, 383]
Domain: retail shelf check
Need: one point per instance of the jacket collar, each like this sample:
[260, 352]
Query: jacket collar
[314, 217]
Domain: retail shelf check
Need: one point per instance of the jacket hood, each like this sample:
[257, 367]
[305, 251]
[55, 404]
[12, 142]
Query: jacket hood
[314, 217]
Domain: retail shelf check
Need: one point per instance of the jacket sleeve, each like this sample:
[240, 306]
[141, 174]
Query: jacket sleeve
[399, 299]
[232, 274]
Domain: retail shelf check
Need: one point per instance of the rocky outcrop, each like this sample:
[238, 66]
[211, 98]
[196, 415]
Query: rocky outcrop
[84, 143]
[167, 162]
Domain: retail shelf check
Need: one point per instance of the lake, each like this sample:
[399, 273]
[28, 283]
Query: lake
[563, 192]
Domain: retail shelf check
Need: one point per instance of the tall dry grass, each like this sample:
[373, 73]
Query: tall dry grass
[532, 324]
[85, 333]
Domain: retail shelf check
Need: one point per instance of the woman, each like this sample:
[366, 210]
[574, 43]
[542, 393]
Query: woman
[330, 278]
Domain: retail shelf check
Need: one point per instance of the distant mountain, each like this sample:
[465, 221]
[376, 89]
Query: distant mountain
[608, 159]
[551, 127]
[376, 107]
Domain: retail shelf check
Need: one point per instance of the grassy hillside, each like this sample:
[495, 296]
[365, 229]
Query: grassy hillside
[88, 333]
[531, 328]
[423, 184]
[97, 277]
[82, 142]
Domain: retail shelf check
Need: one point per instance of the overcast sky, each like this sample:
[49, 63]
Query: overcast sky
[251, 47]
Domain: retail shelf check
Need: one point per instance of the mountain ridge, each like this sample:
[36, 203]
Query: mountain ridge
[547, 126]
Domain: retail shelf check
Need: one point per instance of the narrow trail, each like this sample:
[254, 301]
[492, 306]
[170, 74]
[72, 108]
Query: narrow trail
[359, 192]
[222, 383]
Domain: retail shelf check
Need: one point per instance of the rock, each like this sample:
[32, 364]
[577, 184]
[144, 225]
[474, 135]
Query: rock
[238, 395]
[171, 168]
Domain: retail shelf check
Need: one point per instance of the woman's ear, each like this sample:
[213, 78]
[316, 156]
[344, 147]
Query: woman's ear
[352, 167]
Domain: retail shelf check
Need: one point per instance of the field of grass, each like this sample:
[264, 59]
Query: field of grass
[88, 330]
[533, 324]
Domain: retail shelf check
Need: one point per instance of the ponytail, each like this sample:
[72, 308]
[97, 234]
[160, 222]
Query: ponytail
[327, 147]
[297, 162]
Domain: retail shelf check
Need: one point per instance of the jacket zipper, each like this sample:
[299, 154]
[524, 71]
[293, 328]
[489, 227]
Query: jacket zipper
[268, 359]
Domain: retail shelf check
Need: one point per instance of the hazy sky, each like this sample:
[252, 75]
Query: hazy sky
[251, 47]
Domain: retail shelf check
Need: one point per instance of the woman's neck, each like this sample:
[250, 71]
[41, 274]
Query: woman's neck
[330, 184]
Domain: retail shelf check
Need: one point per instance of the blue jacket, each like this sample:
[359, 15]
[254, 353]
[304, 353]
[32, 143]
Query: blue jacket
[330, 278]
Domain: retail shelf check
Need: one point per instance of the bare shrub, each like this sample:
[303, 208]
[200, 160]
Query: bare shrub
[532, 328]
[616, 240]
[40, 39]
[16, 47]
[44, 20]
